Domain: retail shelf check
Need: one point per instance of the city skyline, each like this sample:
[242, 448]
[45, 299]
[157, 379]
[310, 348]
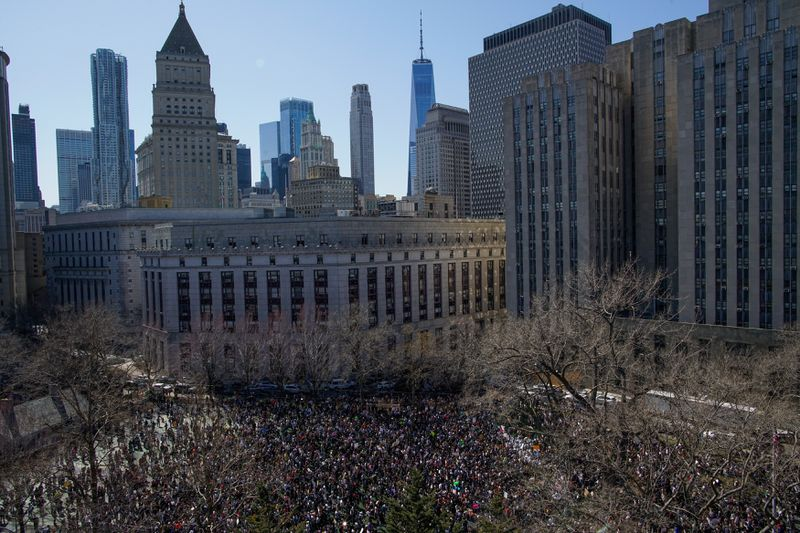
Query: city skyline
[250, 79]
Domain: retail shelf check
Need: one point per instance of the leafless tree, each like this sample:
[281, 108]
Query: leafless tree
[83, 359]
[361, 347]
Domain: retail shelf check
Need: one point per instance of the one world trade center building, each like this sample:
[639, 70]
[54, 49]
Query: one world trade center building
[423, 96]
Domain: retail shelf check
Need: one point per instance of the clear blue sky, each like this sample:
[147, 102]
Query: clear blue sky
[265, 50]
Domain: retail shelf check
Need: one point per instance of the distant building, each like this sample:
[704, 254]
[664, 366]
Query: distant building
[258, 197]
[423, 96]
[26, 176]
[323, 192]
[362, 143]
[294, 111]
[244, 171]
[183, 108]
[153, 202]
[269, 137]
[73, 151]
[316, 149]
[91, 257]
[111, 161]
[280, 174]
[443, 156]
[430, 204]
[227, 167]
[8, 297]
[567, 35]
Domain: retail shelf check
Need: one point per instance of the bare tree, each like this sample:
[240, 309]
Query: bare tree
[82, 358]
[361, 347]
[317, 354]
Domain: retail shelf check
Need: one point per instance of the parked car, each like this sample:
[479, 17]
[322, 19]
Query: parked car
[292, 388]
[262, 387]
[385, 386]
[340, 384]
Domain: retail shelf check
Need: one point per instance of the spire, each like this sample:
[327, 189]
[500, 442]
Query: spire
[421, 48]
[181, 39]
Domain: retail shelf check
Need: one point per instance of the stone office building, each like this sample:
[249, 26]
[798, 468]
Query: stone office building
[287, 272]
[91, 258]
[564, 181]
[737, 171]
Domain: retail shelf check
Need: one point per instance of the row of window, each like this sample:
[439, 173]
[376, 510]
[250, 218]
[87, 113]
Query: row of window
[495, 295]
[300, 239]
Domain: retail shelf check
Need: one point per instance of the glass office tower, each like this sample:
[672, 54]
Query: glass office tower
[26, 180]
[294, 112]
[423, 96]
[112, 158]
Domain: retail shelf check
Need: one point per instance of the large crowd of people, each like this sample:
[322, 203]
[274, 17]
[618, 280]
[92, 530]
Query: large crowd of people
[328, 465]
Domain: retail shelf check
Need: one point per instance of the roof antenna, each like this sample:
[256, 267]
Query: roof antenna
[181, 6]
[421, 48]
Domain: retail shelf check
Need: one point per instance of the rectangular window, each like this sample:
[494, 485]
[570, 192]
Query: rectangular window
[251, 297]
[478, 287]
[465, 288]
[502, 284]
[274, 297]
[184, 303]
[490, 285]
[352, 289]
[389, 291]
[228, 301]
[296, 294]
[437, 291]
[206, 299]
[372, 296]
[321, 295]
[451, 289]
[406, 275]
[422, 281]
[300, 240]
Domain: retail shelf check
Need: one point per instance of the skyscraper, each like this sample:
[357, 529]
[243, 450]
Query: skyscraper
[178, 160]
[443, 155]
[316, 149]
[73, 151]
[732, 132]
[111, 163]
[269, 137]
[294, 112]
[565, 36]
[134, 184]
[244, 172]
[423, 96]
[564, 201]
[8, 299]
[26, 177]
[362, 143]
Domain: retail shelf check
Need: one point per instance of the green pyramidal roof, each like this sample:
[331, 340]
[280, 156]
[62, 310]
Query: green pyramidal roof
[181, 39]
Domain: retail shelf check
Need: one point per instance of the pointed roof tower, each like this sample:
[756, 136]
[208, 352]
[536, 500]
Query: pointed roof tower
[181, 39]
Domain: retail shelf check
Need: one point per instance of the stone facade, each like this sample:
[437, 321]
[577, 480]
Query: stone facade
[178, 159]
[443, 156]
[285, 272]
[563, 161]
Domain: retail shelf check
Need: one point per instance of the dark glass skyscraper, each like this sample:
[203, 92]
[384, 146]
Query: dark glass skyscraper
[244, 173]
[73, 152]
[294, 112]
[565, 36]
[111, 135]
[26, 180]
[423, 96]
